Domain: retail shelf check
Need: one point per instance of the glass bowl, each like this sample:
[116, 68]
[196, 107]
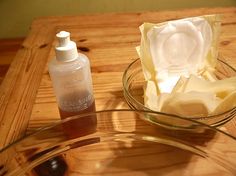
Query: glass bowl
[118, 142]
[133, 82]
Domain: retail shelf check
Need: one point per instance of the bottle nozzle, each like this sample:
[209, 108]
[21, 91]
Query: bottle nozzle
[63, 38]
[66, 49]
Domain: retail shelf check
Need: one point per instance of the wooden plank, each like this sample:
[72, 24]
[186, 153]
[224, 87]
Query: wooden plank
[18, 89]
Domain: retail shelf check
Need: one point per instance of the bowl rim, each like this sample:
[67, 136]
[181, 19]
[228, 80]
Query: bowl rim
[53, 124]
[127, 93]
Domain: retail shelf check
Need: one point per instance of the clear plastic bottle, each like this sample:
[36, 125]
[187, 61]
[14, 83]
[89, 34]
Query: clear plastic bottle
[71, 78]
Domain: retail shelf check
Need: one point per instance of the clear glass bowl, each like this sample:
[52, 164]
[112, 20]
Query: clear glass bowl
[133, 82]
[118, 142]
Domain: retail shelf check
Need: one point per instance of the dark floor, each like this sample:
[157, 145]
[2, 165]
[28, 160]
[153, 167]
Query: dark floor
[8, 50]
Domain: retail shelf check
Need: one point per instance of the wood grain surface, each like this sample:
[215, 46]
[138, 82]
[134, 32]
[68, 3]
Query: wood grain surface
[109, 40]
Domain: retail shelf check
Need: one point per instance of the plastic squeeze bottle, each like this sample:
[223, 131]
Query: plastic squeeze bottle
[71, 78]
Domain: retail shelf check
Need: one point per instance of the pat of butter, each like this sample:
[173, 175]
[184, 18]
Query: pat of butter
[228, 103]
[151, 96]
[223, 96]
[221, 88]
[191, 104]
[195, 96]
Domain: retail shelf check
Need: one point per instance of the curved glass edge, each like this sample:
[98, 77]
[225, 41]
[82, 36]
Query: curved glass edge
[143, 112]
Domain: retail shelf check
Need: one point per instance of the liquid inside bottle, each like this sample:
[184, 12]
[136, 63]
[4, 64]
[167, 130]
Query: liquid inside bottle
[64, 114]
[78, 104]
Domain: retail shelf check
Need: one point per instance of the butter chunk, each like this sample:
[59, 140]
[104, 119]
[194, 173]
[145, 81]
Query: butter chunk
[224, 91]
[152, 99]
[221, 88]
[180, 85]
[228, 103]
[191, 104]
[151, 96]
[208, 75]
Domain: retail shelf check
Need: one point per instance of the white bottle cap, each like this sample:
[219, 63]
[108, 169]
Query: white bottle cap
[66, 49]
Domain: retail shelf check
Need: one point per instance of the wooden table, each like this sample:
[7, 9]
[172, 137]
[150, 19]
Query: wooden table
[27, 100]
